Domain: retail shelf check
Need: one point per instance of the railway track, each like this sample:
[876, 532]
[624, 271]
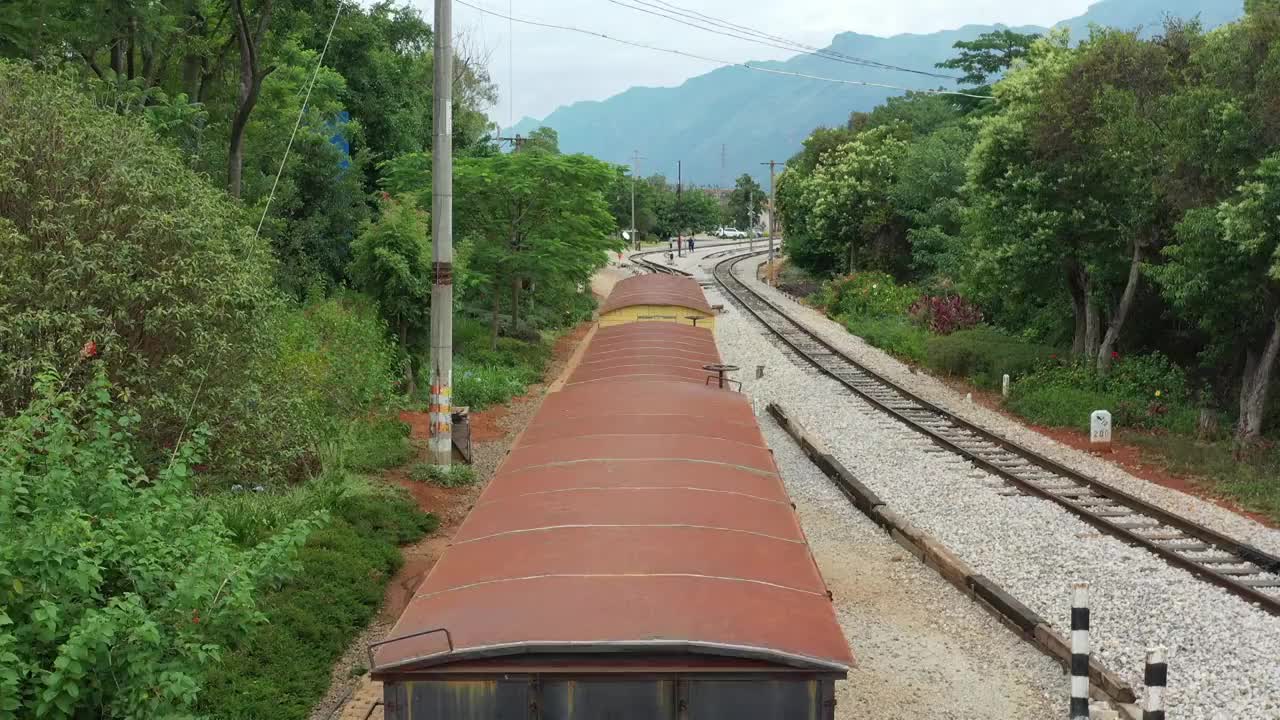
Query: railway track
[641, 258]
[1240, 568]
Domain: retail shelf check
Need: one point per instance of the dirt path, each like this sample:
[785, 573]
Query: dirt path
[492, 432]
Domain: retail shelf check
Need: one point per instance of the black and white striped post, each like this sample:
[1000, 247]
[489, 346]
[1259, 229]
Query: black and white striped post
[1080, 651]
[1156, 678]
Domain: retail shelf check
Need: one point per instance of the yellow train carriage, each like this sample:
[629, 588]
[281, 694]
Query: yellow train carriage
[657, 298]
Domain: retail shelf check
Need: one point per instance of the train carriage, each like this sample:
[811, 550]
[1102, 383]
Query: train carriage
[635, 556]
[663, 298]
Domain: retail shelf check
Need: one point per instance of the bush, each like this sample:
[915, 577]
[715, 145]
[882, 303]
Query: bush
[984, 354]
[895, 335]
[374, 443]
[944, 315]
[480, 386]
[284, 667]
[452, 476]
[114, 247]
[337, 361]
[1056, 406]
[1140, 392]
[868, 294]
[103, 567]
[483, 377]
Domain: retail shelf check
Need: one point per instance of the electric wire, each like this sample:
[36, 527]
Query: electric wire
[301, 112]
[726, 63]
[695, 19]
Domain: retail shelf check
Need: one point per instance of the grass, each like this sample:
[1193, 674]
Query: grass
[483, 376]
[1251, 483]
[451, 476]
[375, 443]
[284, 666]
[1057, 406]
[895, 335]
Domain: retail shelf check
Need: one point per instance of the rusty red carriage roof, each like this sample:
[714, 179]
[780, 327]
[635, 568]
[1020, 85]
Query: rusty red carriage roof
[640, 511]
[655, 289]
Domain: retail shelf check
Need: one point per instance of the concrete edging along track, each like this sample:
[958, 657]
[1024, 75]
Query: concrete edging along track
[934, 554]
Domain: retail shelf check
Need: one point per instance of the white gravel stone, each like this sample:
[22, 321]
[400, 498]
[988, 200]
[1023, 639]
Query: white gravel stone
[923, 649]
[1224, 654]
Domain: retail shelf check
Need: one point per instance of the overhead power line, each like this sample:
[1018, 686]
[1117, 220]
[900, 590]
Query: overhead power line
[726, 63]
[700, 21]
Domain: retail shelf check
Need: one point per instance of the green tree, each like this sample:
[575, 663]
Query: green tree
[544, 139]
[531, 220]
[989, 54]
[1066, 176]
[745, 202]
[841, 217]
[119, 244]
[391, 262]
[928, 194]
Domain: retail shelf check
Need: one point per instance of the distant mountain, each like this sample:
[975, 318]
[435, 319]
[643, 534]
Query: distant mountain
[757, 117]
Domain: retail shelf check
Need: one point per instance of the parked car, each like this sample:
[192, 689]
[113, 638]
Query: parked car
[730, 234]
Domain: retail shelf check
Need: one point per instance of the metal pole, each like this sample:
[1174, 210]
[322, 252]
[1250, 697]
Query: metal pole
[441, 410]
[773, 209]
[679, 227]
[635, 174]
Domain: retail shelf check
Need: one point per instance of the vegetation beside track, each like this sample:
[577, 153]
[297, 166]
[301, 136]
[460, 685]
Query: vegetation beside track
[1100, 223]
[1150, 397]
[199, 379]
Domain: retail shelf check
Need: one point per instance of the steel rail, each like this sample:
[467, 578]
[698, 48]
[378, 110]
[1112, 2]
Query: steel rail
[1223, 561]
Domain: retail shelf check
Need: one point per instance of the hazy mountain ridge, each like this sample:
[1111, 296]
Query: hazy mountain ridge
[758, 117]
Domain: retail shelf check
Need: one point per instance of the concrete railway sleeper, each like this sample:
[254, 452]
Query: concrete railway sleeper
[1240, 568]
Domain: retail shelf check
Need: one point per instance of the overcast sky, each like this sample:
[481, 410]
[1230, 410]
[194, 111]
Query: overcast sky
[554, 67]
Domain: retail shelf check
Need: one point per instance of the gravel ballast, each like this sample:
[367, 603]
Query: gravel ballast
[923, 649]
[1224, 653]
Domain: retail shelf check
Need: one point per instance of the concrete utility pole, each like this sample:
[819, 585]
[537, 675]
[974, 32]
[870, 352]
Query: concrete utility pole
[679, 227]
[751, 216]
[773, 210]
[441, 410]
[635, 173]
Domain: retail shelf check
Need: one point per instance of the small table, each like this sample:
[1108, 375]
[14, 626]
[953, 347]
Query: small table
[720, 372]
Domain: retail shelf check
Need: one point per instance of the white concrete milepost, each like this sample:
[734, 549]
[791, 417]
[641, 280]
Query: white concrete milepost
[1100, 430]
[441, 410]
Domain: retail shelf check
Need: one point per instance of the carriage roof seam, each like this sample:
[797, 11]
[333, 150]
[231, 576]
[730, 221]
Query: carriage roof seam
[653, 526]
[641, 576]
[631, 488]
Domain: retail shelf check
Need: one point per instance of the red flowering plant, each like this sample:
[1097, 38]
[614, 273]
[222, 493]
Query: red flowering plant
[944, 315]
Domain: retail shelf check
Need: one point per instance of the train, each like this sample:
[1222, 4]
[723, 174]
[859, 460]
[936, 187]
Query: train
[635, 556]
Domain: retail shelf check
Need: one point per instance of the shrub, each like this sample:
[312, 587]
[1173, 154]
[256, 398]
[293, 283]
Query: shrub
[374, 443]
[944, 315]
[452, 476]
[284, 667]
[984, 354]
[868, 294]
[336, 360]
[102, 566]
[1056, 406]
[1140, 392]
[109, 238]
[480, 386]
[895, 335]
